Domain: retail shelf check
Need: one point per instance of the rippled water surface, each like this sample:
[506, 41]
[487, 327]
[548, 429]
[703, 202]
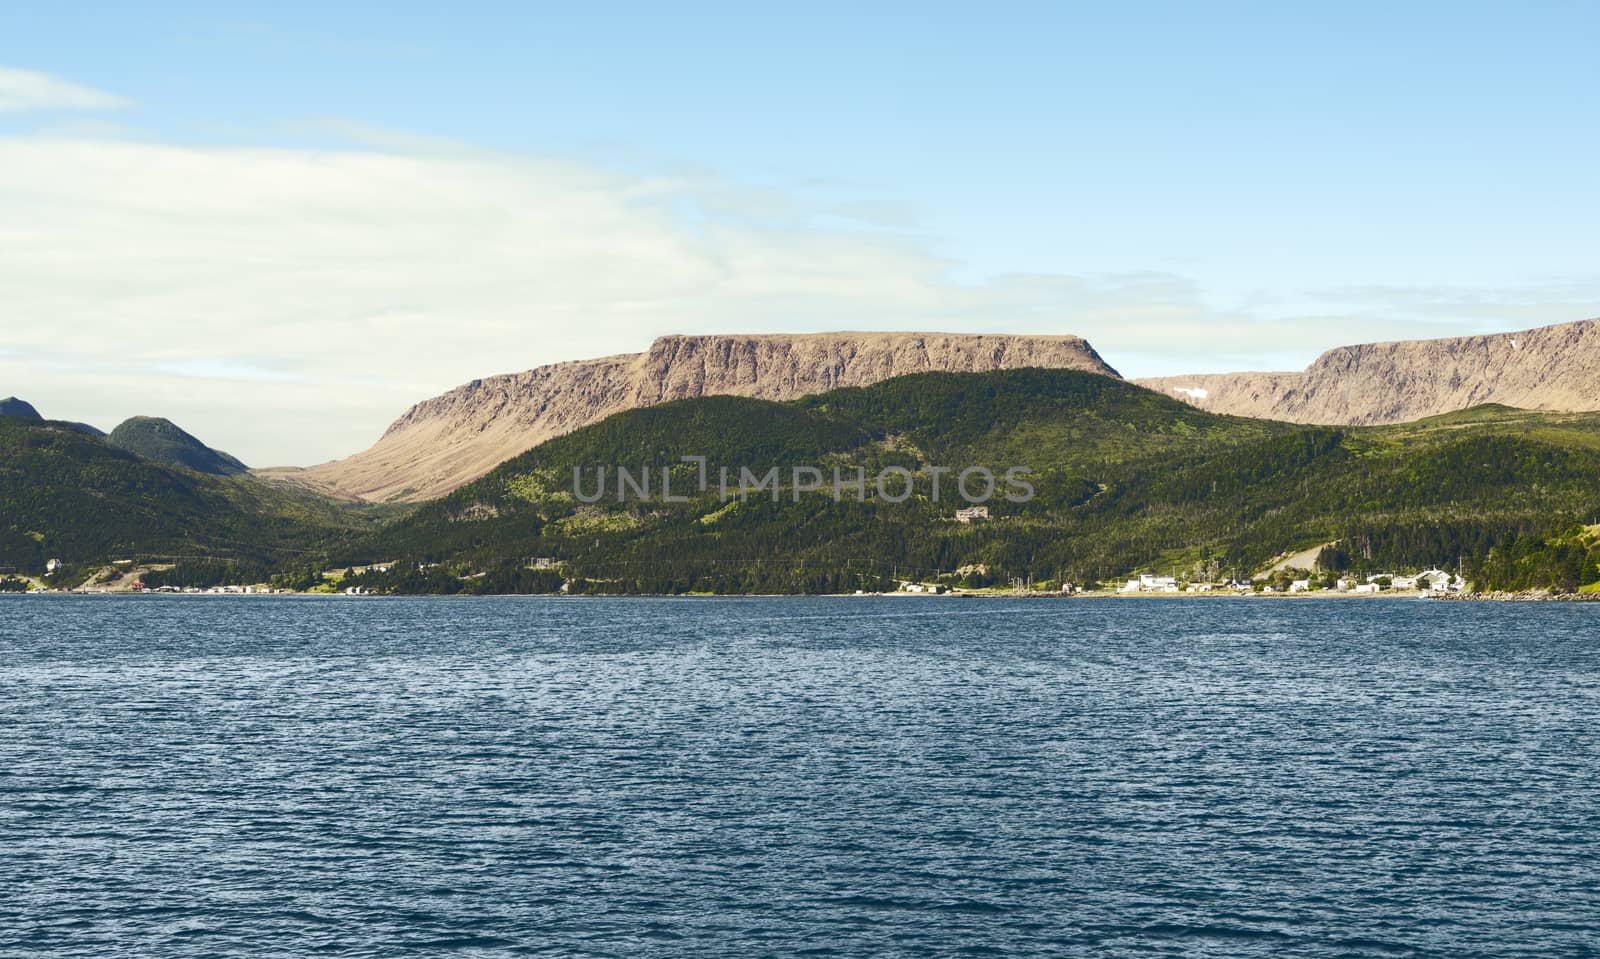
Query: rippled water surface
[235, 776]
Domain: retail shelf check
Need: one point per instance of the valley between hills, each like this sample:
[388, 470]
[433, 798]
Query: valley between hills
[1479, 455]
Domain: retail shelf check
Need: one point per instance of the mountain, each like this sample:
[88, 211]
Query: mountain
[162, 441]
[452, 439]
[11, 406]
[1125, 479]
[68, 495]
[1548, 368]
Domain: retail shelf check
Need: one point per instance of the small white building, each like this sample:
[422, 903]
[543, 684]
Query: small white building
[1147, 583]
[1369, 588]
[52, 567]
[1300, 586]
[972, 513]
[1439, 580]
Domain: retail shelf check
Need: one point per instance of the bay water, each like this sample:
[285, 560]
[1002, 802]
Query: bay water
[288, 776]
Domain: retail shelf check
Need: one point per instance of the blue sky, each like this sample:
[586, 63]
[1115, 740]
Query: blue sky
[1314, 176]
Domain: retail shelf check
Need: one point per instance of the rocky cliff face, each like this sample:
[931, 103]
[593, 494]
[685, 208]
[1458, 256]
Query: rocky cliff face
[1549, 368]
[452, 439]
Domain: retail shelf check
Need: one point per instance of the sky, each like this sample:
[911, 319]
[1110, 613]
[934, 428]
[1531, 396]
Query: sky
[281, 225]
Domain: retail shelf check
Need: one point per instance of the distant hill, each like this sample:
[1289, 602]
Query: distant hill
[452, 439]
[162, 441]
[1548, 368]
[67, 495]
[11, 406]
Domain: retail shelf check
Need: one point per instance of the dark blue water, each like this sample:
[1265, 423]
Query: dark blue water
[841, 777]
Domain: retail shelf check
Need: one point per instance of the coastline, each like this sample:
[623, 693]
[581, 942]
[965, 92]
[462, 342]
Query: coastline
[1317, 595]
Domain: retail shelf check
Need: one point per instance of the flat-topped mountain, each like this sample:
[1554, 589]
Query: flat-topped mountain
[1549, 368]
[163, 441]
[442, 443]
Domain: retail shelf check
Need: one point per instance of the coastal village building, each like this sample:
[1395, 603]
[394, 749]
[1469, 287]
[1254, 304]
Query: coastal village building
[972, 513]
[1150, 584]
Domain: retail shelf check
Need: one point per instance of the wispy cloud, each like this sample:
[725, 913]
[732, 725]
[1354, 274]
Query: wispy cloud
[25, 91]
[289, 303]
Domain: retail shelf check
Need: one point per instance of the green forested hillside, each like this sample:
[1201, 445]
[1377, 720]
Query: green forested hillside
[1124, 480]
[164, 442]
[65, 494]
[1127, 480]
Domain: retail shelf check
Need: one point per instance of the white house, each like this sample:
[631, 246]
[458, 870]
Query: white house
[972, 513]
[1369, 588]
[52, 567]
[1300, 586]
[1438, 579]
[1146, 583]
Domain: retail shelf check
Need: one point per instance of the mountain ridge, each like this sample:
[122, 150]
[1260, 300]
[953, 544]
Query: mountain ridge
[1554, 368]
[451, 439]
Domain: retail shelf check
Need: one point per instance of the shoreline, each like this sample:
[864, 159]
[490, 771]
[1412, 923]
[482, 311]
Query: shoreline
[1318, 595]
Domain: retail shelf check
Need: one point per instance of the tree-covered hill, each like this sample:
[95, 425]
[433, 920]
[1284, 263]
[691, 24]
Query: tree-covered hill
[21, 409]
[68, 495]
[1125, 480]
[163, 441]
[786, 497]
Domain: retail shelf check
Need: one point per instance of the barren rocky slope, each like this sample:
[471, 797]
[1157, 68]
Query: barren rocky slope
[1549, 368]
[452, 439]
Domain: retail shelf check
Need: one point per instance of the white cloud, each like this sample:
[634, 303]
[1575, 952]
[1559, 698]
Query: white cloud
[287, 304]
[23, 91]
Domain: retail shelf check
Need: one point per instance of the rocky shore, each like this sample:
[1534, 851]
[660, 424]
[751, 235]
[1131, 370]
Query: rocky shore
[1528, 596]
